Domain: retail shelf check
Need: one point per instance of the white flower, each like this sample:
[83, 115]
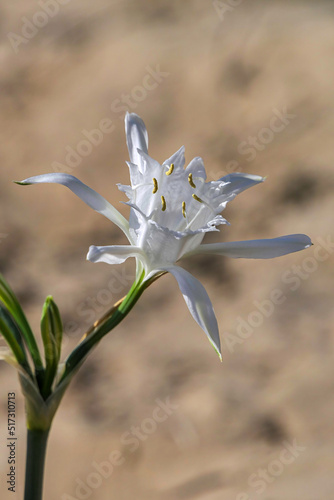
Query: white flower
[172, 208]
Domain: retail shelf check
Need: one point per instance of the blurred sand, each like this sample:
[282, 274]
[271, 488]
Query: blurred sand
[227, 79]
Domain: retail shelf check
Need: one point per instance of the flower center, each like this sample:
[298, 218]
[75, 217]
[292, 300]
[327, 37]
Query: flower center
[176, 200]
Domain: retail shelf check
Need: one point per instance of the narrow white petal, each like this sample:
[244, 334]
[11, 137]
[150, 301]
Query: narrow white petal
[115, 254]
[257, 249]
[198, 303]
[238, 182]
[136, 137]
[86, 194]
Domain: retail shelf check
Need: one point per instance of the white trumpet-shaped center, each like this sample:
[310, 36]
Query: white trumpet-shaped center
[172, 207]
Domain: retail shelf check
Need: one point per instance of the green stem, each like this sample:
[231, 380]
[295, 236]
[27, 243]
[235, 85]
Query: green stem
[36, 451]
[80, 352]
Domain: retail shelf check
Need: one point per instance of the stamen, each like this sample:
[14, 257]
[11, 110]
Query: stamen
[155, 184]
[163, 203]
[191, 182]
[184, 209]
[197, 198]
[170, 170]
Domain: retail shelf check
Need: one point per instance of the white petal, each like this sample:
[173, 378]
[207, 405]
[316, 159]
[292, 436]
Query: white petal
[198, 303]
[127, 190]
[88, 195]
[135, 174]
[115, 254]
[196, 168]
[257, 249]
[136, 137]
[148, 164]
[177, 159]
[218, 193]
[238, 182]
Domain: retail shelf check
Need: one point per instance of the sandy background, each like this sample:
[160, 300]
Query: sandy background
[226, 77]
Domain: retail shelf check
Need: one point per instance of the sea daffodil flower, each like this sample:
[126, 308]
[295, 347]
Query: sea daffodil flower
[171, 209]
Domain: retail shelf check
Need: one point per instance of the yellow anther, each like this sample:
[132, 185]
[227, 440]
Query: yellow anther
[155, 184]
[163, 203]
[191, 182]
[170, 170]
[184, 209]
[197, 198]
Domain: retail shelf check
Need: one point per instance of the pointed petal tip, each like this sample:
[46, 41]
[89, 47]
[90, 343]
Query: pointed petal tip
[217, 350]
[258, 178]
[199, 304]
[303, 239]
[22, 183]
[136, 136]
[133, 118]
[129, 115]
[254, 177]
[251, 177]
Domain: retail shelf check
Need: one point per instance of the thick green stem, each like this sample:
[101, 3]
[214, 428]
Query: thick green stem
[36, 451]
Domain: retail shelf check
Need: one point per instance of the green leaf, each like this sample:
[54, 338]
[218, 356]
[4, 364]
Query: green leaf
[11, 333]
[10, 301]
[52, 331]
